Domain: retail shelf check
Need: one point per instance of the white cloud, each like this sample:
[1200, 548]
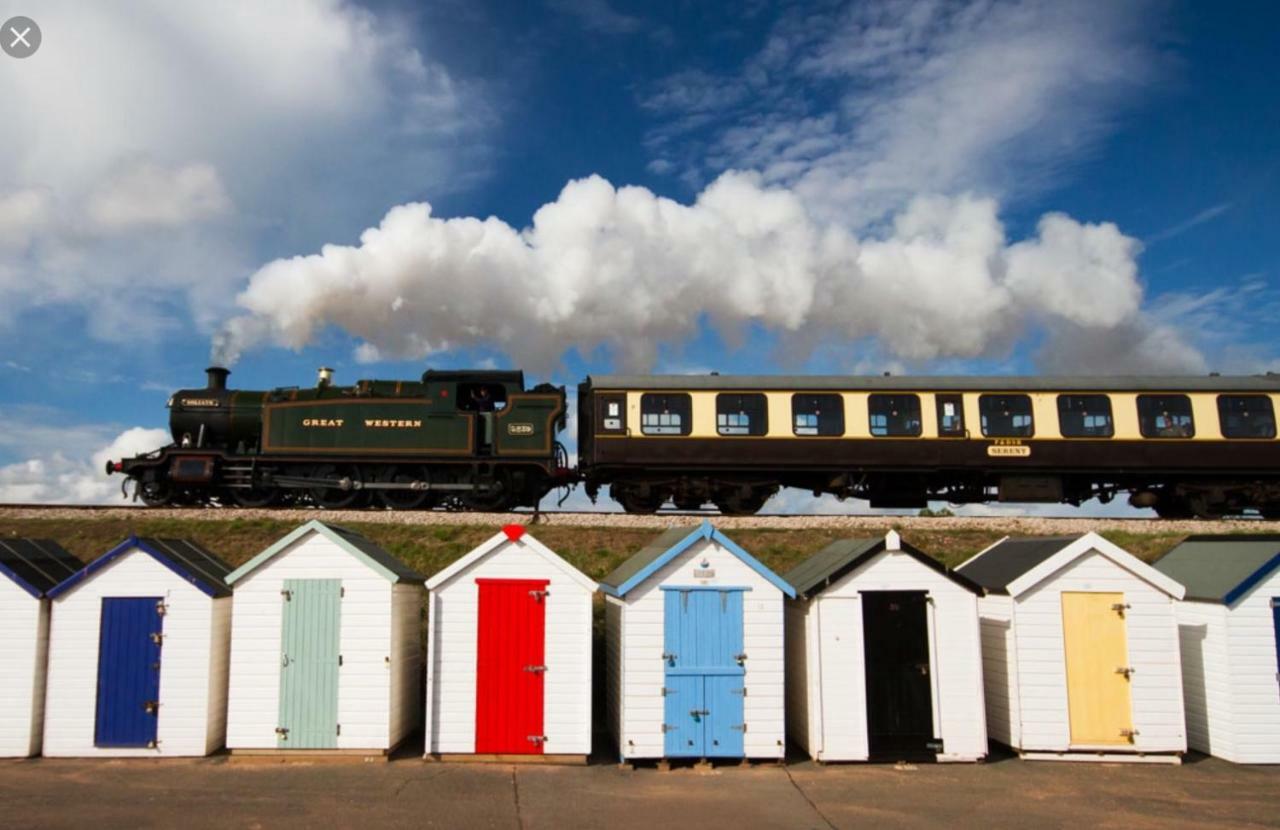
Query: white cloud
[58, 468]
[148, 195]
[23, 214]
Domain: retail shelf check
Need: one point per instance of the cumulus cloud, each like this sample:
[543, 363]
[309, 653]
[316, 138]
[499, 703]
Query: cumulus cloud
[57, 476]
[626, 269]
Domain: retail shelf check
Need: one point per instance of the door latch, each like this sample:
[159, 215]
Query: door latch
[1127, 671]
[283, 732]
[539, 595]
[161, 608]
[1130, 734]
[151, 707]
[535, 669]
[537, 739]
[668, 657]
[157, 638]
[741, 658]
[699, 712]
[288, 595]
[1120, 607]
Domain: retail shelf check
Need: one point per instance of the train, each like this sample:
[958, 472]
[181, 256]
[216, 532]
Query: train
[1195, 446]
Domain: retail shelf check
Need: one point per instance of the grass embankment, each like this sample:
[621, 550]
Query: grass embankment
[593, 550]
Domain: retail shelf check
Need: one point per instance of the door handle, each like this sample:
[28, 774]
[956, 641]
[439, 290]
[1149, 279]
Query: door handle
[697, 712]
[668, 657]
[1127, 671]
[535, 669]
[284, 661]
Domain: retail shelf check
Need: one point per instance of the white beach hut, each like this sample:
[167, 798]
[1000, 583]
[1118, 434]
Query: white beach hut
[694, 650]
[883, 655]
[29, 569]
[509, 653]
[1080, 650]
[1229, 625]
[138, 645]
[325, 647]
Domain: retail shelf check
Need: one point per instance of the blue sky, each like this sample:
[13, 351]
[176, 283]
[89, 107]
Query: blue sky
[933, 187]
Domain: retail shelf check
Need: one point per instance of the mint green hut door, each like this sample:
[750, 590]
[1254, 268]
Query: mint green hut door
[309, 661]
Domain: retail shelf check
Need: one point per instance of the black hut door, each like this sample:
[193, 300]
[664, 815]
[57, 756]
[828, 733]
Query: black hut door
[895, 630]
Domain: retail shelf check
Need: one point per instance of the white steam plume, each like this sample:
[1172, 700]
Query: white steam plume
[626, 269]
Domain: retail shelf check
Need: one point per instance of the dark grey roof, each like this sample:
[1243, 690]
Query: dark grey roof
[664, 542]
[844, 555]
[1220, 568]
[36, 564]
[1098, 383]
[384, 558]
[1010, 559]
[196, 560]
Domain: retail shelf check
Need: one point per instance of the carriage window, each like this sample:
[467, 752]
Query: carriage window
[1085, 416]
[665, 414]
[817, 415]
[894, 414]
[1246, 416]
[741, 415]
[1006, 416]
[1165, 416]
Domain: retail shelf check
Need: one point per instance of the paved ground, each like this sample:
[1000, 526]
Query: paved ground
[410, 793]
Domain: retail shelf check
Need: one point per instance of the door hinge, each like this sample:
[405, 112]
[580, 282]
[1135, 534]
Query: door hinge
[157, 638]
[342, 592]
[666, 690]
[742, 691]
[741, 658]
[161, 608]
[739, 727]
[666, 727]
[539, 595]
[151, 707]
[339, 659]
[535, 669]
[1120, 607]
[536, 739]
[935, 746]
[1127, 671]
[1129, 733]
[283, 732]
[339, 727]
[287, 594]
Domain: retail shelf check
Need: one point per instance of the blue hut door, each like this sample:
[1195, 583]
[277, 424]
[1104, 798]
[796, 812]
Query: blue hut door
[129, 640]
[704, 678]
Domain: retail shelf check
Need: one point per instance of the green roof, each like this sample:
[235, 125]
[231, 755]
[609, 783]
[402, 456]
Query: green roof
[995, 383]
[642, 558]
[1221, 568]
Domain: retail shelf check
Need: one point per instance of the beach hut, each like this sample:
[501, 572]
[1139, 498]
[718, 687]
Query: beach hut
[1080, 650]
[509, 653]
[694, 650]
[325, 647]
[883, 655]
[138, 644]
[1229, 627]
[29, 568]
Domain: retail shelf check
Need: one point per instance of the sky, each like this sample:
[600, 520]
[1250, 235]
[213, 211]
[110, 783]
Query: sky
[585, 186]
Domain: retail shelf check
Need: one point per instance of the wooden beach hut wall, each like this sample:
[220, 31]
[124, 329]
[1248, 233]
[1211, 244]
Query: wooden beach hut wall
[1080, 650]
[694, 650]
[1229, 626]
[509, 653]
[29, 569]
[325, 646]
[884, 658]
[138, 649]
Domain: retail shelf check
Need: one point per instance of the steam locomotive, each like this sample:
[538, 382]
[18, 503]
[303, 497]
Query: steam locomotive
[478, 440]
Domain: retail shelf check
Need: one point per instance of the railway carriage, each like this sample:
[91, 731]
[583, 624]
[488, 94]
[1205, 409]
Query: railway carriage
[1202, 446]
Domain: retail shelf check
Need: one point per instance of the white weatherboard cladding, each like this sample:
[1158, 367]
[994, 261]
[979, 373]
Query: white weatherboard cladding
[454, 624]
[1151, 635]
[188, 660]
[836, 677]
[642, 644]
[23, 642]
[1206, 677]
[365, 643]
[1000, 669]
[1255, 677]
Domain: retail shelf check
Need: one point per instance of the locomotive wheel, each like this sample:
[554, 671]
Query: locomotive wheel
[253, 497]
[335, 498]
[155, 493]
[405, 499]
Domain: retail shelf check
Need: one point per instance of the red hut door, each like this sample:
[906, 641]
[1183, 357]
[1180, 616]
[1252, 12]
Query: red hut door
[510, 654]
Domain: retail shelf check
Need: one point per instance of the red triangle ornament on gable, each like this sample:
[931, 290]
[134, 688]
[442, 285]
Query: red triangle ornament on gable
[514, 532]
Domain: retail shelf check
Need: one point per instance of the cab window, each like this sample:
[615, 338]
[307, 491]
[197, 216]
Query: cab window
[1085, 416]
[665, 414]
[481, 397]
[894, 414]
[1006, 416]
[1165, 416]
[741, 415]
[1246, 416]
[817, 414]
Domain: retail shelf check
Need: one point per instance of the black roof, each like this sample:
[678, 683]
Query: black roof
[402, 571]
[840, 557]
[642, 558]
[1221, 568]
[1011, 558]
[996, 383]
[36, 565]
[186, 558]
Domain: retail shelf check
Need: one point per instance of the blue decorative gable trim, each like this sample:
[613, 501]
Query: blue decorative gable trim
[704, 531]
[1252, 580]
[132, 543]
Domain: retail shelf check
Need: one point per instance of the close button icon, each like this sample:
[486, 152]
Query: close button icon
[20, 37]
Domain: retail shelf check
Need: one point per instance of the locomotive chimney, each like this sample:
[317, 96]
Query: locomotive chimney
[325, 377]
[217, 378]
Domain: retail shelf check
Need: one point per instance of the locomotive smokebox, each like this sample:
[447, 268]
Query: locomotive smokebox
[217, 378]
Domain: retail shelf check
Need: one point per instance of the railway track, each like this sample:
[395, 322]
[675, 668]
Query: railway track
[1013, 525]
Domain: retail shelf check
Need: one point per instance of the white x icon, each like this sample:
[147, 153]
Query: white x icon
[21, 37]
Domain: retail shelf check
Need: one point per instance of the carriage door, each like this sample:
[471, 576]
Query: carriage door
[129, 638]
[951, 416]
[510, 666]
[1097, 657]
[895, 635]
[309, 662]
[611, 414]
[704, 680]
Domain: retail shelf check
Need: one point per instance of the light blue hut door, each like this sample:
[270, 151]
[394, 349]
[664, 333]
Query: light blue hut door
[704, 676]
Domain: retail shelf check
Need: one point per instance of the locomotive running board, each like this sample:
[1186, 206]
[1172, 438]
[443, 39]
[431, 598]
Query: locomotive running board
[301, 482]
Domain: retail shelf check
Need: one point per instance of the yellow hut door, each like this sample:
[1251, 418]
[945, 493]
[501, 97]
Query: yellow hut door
[1097, 669]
